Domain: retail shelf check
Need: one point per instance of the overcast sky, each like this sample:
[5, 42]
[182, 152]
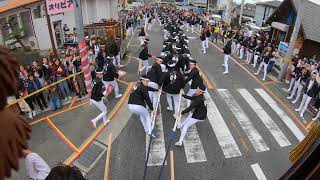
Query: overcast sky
[251, 1]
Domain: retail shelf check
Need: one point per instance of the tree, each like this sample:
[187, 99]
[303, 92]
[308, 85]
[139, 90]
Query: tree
[16, 34]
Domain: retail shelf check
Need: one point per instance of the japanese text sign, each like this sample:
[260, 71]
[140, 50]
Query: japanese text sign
[59, 6]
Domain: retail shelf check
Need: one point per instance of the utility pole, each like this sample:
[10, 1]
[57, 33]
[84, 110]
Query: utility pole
[241, 11]
[208, 6]
[79, 20]
[292, 40]
[228, 14]
[53, 45]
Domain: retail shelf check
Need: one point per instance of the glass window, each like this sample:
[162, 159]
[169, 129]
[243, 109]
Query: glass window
[26, 23]
[13, 21]
[37, 12]
[4, 28]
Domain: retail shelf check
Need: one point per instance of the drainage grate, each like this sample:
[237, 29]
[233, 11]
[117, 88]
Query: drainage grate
[90, 156]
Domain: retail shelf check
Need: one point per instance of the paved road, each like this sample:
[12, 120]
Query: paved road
[247, 134]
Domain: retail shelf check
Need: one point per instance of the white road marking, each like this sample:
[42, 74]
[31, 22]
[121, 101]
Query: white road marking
[193, 146]
[158, 148]
[258, 172]
[285, 118]
[253, 135]
[265, 118]
[224, 136]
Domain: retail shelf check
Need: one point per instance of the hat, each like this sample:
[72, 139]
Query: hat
[202, 88]
[192, 61]
[171, 64]
[160, 58]
[99, 71]
[144, 77]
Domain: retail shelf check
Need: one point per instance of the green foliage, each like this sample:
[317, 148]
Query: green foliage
[16, 34]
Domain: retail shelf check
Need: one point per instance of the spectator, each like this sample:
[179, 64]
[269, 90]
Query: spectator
[60, 72]
[33, 86]
[38, 72]
[45, 68]
[65, 172]
[36, 167]
[54, 98]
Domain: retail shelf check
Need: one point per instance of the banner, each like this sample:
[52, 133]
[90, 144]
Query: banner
[85, 66]
[59, 6]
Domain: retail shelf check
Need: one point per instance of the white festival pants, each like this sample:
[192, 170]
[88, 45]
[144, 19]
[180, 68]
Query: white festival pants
[265, 66]
[207, 42]
[154, 98]
[249, 56]
[103, 108]
[304, 104]
[292, 82]
[255, 60]
[185, 126]
[145, 65]
[114, 84]
[225, 61]
[190, 93]
[203, 45]
[175, 98]
[116, 60]
[300, 87]
[241, 52]
[141, 39]
[144, 115]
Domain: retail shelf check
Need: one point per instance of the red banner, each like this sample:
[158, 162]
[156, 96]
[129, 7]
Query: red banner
[85, 66]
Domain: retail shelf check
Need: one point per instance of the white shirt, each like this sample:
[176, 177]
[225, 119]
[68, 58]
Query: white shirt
[37, 168]
[310, 85]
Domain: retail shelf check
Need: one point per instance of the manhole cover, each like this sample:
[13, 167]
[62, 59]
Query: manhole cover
[90, 156]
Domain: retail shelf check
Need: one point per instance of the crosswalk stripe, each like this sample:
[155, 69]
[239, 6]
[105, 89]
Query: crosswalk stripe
[158, 149]
[285, 118]
[265, 118]
[224, 136]
[253, 135]
[193, 146]
[258, 172]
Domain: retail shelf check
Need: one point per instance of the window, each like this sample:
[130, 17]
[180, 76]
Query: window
[4, 28]
[26, 23]
[13, 21]
[37, 12]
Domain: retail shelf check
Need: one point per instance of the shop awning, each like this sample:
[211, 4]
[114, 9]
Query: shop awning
[280, 26]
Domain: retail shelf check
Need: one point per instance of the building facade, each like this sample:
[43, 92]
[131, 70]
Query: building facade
[30, 15]
[264, 11]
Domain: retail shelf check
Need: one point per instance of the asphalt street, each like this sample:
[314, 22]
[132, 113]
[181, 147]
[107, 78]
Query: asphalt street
[247, 134]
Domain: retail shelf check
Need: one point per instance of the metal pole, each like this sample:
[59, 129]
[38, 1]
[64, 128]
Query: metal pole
[292, 40]
[229, 8]
[208, 6]
[53, 45]
[79, 20]
[241, 11]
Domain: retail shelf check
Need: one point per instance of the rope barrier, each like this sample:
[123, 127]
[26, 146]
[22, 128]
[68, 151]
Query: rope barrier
[42, 89]
[152, 132]
[171, 138]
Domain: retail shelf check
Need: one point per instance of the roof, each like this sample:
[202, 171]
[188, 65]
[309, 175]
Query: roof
[270, 3]
[13, 4]
[311, 18]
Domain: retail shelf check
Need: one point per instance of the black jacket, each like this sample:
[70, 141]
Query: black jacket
[227, 48]
[195, 77]
[172, 82]
[155, 74]
[97, 90]
[114, 51]
[140, 96]
[144, 53]
[109, 72]
[46, 72]
[203, 36]
[313, 91]
[266, 57]
[197, 103]
[100, 59]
